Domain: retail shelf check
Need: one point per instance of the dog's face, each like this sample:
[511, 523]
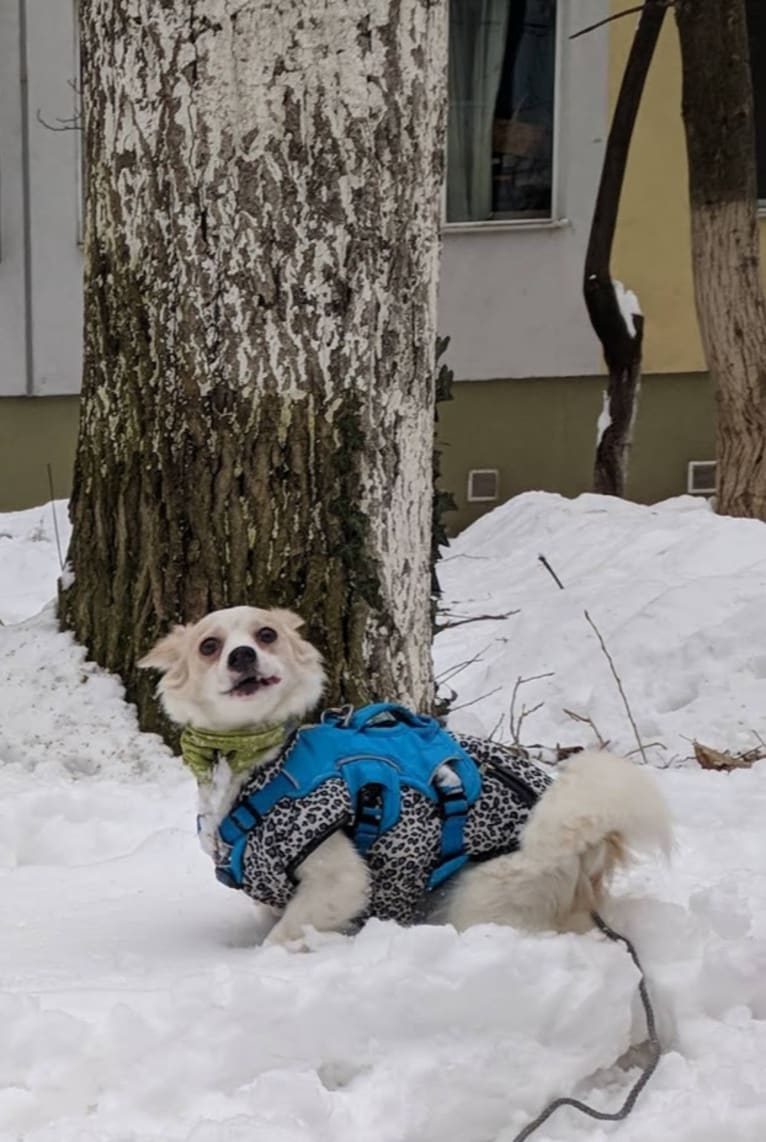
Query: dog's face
[237, 668]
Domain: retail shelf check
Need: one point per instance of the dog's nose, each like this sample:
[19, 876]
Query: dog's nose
[241, 658]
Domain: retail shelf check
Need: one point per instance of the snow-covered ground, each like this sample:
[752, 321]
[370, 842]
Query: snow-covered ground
[135, 1004]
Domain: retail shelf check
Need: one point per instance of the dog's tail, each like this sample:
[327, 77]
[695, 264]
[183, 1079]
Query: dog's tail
[598, 815]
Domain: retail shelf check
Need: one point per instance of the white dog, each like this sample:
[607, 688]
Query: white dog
[531, 852]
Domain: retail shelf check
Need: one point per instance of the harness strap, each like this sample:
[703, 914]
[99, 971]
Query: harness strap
[369, 818]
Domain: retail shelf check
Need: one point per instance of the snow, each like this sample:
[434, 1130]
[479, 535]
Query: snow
[136, 1006]
[604, 419]
[29, 561]
[628, 304]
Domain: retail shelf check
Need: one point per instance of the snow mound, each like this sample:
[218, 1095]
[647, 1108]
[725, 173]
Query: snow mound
[676, 592]
[137, 1005]
[29, 558]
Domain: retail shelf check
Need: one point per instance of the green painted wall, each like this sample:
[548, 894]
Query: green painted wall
[541, 434]
[35, 432]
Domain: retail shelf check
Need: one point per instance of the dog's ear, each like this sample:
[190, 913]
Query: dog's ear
[167, 653]
[287, 618]
[305, 652]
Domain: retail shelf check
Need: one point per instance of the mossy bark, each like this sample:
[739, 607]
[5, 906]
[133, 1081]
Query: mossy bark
[260, 290]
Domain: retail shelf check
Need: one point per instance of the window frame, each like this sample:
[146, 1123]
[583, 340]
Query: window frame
[556, 220]
[760, 197]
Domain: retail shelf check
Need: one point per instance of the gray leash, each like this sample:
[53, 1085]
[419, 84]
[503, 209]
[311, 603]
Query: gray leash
[648, 1070]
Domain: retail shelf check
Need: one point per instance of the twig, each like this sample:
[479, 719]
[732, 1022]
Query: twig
[514, 725]
[473, 701]
[451, 671]
[588, 721]
[550, 571]
[475, 619]
[619, 16]
[55, 521]
[463, 555]
[496, 727]
[649, 745]
[73, 123]
[618, 680]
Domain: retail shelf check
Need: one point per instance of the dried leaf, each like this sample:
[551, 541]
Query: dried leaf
[709, 758]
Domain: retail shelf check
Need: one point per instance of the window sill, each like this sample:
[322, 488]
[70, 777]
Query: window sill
[502, 224]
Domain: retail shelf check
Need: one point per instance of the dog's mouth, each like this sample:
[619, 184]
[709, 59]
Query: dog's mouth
[252, 684]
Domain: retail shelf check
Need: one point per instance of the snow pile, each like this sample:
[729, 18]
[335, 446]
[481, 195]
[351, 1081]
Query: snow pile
[29, 559]
[676, 592]
[135, 1005]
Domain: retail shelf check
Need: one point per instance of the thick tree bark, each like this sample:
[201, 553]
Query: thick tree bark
[720, 141]
[613, 311]
[261, 268]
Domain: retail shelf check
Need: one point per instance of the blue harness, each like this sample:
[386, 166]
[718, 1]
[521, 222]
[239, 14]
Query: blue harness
[376, 750]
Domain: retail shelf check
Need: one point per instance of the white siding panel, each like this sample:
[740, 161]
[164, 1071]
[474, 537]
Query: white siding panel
[12, 335]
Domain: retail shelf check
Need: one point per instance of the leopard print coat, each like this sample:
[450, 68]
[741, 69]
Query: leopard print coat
[402, 859]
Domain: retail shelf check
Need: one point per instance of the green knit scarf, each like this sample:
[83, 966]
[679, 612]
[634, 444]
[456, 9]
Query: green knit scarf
[242, 749]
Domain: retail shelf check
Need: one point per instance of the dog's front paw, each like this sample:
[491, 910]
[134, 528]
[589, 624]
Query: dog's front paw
[288, 936]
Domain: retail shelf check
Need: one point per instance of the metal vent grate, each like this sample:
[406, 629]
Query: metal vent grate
[483, 485]
[700, 480]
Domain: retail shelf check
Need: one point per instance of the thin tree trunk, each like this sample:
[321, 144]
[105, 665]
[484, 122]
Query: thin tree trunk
[613, 311]
[262, 245]
[720, 142]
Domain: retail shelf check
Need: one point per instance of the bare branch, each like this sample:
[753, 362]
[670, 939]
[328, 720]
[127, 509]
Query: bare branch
[588, 721]
[617, 16]
[619, 686]
[475, 619]
[73, 123]
[465, 705]
[550, 570]
[514, 723]
[451, 671]
[649, 745]
[496, 727]
[55, 521]
[461, 555]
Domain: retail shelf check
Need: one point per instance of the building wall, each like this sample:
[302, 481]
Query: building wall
[510, 299]
[40, 259]
[13, 377]
[511, 293]
[35, 432]
[652, 251]
[541, 435]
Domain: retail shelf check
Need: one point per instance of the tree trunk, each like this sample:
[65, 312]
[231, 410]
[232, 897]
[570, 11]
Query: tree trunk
[262, 239]
[720, 142]
[614, 311]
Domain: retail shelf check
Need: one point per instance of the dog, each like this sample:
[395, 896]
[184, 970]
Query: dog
[540, 852]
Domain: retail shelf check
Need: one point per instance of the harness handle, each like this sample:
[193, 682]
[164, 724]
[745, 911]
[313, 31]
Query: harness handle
[358, 719]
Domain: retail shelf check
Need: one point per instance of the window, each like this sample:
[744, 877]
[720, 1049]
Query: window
[502, 75]
[756, 22]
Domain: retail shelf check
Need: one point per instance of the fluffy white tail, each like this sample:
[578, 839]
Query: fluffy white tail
[599, 813]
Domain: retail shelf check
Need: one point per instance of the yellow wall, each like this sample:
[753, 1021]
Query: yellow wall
[652, 252]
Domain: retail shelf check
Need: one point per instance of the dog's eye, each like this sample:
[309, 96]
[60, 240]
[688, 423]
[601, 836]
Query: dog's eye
[209, 646]
[266, 635]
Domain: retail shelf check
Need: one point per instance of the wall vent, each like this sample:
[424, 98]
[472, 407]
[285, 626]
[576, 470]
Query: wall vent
[700, 478]
[483, 485]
